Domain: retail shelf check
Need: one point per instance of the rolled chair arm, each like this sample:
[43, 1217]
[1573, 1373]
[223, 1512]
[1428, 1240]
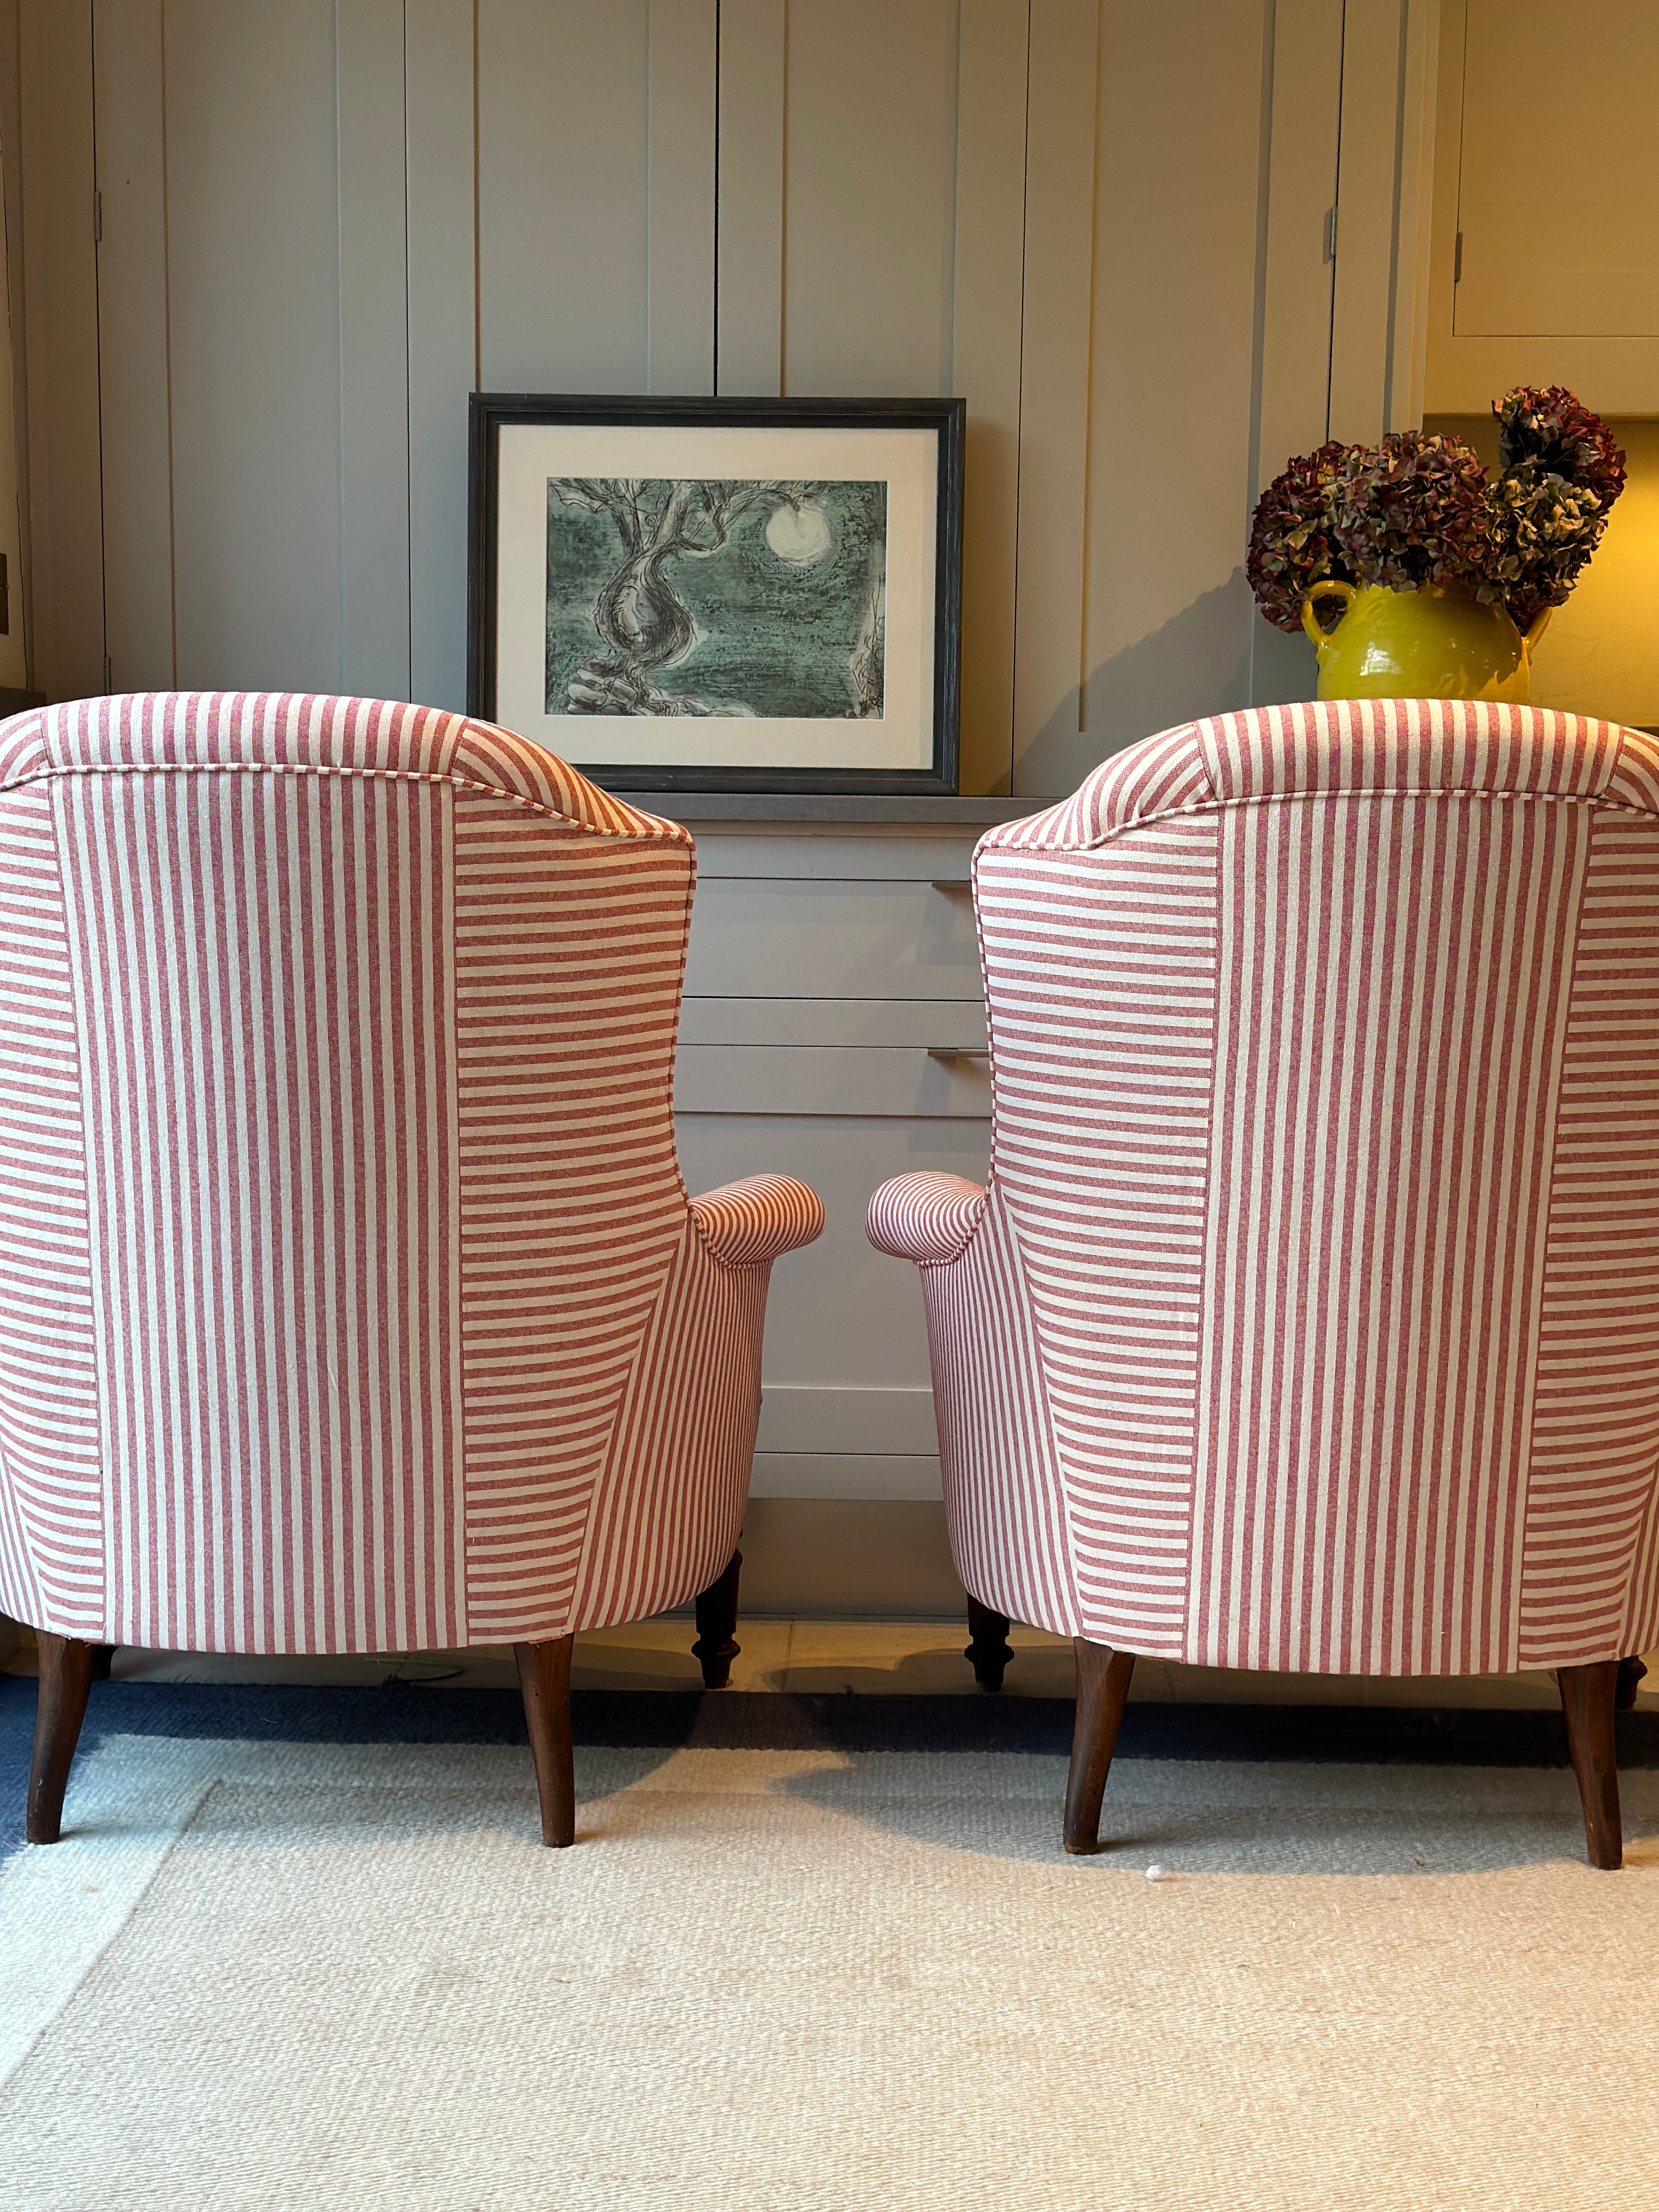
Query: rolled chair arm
[926, 1217]
[745, 1223]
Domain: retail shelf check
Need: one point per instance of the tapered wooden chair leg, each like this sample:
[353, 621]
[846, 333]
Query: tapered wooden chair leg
[1587, 1699]
[717, 1646]
[65, 1679]
[988, 1647]
[545, 1680]
[1103, 1690]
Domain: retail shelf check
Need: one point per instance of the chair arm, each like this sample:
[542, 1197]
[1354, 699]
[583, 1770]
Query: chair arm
[743, 1224]
[927, 1217]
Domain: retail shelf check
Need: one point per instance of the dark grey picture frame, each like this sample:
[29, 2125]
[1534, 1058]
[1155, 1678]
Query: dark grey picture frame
[944, 419]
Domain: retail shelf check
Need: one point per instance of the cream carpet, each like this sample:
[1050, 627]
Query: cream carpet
[274, 1975]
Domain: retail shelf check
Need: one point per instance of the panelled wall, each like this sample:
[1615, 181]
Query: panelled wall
[268, 250]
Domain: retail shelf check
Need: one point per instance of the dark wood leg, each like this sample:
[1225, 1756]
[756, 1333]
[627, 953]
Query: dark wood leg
[716, 1646]
[1103, 1688]
[101, 1655]
[1630, 1671]
[1587, 1699]
[65, 1679]
[545, 1680]
[987, 1644]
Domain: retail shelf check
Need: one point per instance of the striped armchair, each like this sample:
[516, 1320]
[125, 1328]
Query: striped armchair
[1309, 1318]
[351, 1299]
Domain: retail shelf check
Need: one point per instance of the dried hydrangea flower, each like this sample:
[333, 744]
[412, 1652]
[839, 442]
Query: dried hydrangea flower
[1412, 511]
[1545, 427]
[1548, 512]
[1543, 529]
[1418, 509]
[1293, 535]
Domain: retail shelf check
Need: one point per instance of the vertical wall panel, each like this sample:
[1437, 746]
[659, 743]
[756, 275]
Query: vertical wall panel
[1409, 349]
[1167, 611]
[1367, 184]
[13, 650]
[17, 420]
[60, 347]
[132, 339]
[1053, 414]
[1296, 350]
[562, 189]
[748, 265]
[254, 253]
[682, 44]
[869, 196]
[1294, 375]
[374, 593]
[990, 246]
[442, 339]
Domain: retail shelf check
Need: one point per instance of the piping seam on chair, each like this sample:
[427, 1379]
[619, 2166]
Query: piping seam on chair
[1343, 791]
[328, 768]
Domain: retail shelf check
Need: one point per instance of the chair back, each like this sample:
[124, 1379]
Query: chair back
[338, 1176]
[1326, 1053]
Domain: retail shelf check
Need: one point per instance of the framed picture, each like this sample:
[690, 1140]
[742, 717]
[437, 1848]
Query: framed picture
[720, 594]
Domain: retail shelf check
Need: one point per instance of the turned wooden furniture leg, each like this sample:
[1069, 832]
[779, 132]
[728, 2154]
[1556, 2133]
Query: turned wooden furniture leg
[1630, 1671]
[1587, 1699]
[545, 1680]
[989, 1646]
[716, 1646]
[65, 1679]
[1102, 1689]
[101, 1655]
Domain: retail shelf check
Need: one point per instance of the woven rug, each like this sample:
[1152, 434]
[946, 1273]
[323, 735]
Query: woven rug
[269, 1969]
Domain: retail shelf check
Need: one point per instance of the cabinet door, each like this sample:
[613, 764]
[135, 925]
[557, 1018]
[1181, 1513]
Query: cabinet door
[1547, 217]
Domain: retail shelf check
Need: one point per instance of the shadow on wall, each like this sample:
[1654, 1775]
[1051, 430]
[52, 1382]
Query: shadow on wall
[1214, 656]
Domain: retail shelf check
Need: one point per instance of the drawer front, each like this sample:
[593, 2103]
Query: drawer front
[755, 937]
[803, 1418]
[819, 1079]
[846, 1408]
[846, 1475]
[922, 1024]
[841, 1315]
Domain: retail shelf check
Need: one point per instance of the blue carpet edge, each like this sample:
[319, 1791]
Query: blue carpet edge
[749, 1720]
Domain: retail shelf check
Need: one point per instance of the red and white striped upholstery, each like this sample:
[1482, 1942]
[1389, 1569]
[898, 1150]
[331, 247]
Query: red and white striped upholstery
[1310, 1319]
[351, 1299]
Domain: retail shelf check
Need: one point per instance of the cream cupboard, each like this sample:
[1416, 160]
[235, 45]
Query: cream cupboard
[1545, 249]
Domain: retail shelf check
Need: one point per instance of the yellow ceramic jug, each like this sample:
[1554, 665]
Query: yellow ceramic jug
[1433, 643]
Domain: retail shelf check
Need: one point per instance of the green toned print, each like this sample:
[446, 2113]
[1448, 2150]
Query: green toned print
[680, 596]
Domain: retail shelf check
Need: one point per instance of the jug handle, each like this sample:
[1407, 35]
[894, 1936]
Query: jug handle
[1327, 587]
[1536, 626]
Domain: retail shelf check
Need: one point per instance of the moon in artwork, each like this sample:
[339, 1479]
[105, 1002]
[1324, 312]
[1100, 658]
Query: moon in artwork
[799, 535]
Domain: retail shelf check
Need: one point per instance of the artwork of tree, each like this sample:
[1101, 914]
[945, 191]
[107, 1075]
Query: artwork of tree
[677, 596]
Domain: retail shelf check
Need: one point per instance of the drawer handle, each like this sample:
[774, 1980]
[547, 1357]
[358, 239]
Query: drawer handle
[953, 886]
[948, 1052]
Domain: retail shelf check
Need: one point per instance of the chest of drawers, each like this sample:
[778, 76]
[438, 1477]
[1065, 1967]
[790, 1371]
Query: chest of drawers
[834, 1028]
